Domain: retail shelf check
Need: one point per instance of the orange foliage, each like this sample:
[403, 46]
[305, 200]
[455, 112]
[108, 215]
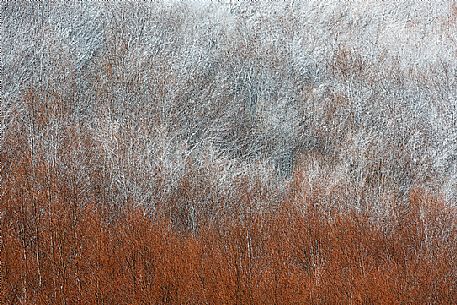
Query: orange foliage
[57, 251]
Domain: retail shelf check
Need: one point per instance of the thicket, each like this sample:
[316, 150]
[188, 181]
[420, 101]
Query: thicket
[57, 251]
[211, 152]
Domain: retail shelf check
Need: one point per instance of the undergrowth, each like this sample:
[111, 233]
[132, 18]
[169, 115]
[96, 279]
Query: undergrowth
[56, 250]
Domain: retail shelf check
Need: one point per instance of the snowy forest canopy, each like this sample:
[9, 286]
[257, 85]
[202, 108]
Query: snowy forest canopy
[357, 95]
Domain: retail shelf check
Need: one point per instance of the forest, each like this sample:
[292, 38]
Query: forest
[228, 152]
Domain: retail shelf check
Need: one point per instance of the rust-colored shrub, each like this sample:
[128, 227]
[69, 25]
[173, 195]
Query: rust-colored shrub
[57, 251]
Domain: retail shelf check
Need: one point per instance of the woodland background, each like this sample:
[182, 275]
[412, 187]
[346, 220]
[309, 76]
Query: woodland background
[211, 152]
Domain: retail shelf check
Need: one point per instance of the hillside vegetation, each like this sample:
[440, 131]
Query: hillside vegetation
[223, 152]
